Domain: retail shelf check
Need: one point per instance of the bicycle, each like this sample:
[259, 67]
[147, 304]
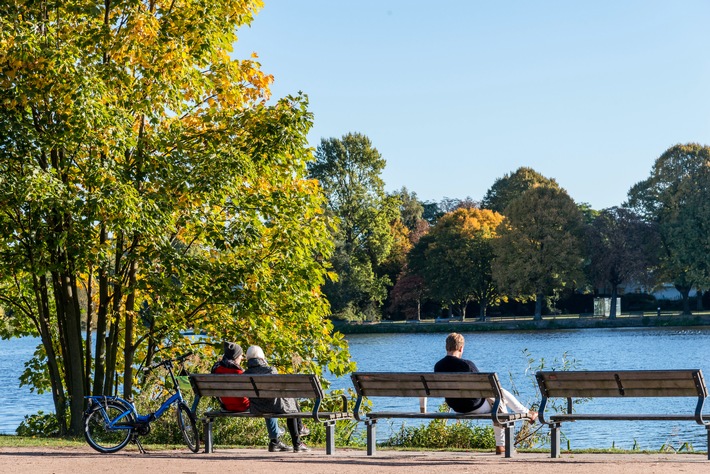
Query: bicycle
[110, 422]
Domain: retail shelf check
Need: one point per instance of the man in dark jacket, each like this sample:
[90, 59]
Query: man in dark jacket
[256, 364]
[453, 362]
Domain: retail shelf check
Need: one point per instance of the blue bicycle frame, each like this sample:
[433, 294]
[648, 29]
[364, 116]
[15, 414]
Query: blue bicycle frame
[116, 424]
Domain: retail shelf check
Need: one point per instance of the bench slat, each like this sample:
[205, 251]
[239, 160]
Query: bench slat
[622, 417]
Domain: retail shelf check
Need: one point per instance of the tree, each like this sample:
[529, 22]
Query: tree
[145, 188]
[539, 249]
[508, 188]
[454, 259]
[348, 170]
[411, 209]
[621, 248]
[676, 198]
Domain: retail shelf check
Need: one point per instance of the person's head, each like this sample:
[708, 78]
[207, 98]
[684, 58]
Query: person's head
[454, 343]
[255, 352]
[233, 352]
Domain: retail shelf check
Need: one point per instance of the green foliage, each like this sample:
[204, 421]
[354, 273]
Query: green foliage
[348, 171]
[146, 188]
[675, 197]
[621, 248]
[539, 248]
[530, 436]
[440, 434]
[510, 187]
[39, 424]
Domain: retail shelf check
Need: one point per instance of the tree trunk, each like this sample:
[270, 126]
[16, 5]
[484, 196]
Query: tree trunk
[612, 306]
[115, 326]
[684, 290]
[482, 309]
[699, 300]
[74, 363]
[89, 323]
[128, 348]
[55, 379]
[101, 324]
[539, 298]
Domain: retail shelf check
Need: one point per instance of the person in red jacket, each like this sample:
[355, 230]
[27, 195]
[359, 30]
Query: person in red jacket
[230, 364]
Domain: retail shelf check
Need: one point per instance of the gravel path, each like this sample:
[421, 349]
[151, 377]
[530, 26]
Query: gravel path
[344, 461]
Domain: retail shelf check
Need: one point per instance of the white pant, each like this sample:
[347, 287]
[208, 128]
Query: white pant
[509, 402]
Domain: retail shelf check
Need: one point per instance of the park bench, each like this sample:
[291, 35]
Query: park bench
[619, 383]
[298, 386]
[429, 384]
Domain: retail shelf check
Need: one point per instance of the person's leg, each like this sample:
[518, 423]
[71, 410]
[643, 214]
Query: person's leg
[513, 403]
[275, 443]
[292, 424]
[272, 427]
[498, 432]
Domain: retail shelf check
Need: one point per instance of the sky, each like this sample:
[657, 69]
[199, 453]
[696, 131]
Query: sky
[455, 94]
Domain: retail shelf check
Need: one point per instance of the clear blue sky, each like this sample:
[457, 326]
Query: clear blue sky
[455, 94]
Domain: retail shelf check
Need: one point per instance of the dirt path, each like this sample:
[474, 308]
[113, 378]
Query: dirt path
[257, 461]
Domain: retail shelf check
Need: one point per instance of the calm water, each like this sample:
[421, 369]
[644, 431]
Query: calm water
[502, 352]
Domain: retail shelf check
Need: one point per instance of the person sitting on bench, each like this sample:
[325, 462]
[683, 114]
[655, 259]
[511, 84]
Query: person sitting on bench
[256, 364]
[453, 362]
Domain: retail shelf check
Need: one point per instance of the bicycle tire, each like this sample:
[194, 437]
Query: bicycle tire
[188, 427]
[99, 436]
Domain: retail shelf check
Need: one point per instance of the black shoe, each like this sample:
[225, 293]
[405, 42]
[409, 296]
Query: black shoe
[276, 446]
[304, 431]
[301, 448]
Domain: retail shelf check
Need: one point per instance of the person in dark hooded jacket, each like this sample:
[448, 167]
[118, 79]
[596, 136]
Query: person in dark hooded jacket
[256, 364]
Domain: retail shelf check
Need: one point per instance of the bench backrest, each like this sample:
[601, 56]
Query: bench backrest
[257, 386]
[426, 384]
[622, 383]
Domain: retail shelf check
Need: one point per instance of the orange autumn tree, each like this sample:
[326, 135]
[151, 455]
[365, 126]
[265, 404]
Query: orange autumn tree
[146, 187]
[454, 259]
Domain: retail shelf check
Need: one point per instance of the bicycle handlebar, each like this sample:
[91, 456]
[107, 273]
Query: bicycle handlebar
[155, 365]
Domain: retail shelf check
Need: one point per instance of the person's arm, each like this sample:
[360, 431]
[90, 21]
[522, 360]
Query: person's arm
[471, 366]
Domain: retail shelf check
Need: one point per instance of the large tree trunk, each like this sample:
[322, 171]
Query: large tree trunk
[612, 306]
[55, 379]
[482, 309]
[684, 290]
[539, 298]
[67, 298]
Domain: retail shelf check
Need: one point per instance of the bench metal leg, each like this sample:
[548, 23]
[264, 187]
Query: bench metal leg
[509, 437]
[371, 437]
[555, 440]
[329, 438]
[707, 427]
[208, 434]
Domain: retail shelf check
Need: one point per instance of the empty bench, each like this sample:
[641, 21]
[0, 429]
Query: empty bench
[619, 383]
[430, 384]
[297, 386]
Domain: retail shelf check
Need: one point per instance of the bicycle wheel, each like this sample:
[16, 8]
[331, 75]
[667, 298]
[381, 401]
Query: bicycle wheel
[97, 432]
[188, 427]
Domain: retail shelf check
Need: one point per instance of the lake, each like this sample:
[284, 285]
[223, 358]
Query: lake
[502, 352]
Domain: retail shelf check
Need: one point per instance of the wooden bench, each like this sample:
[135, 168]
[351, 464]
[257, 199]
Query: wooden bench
[429, 384]
[297, 386]
[619, 383]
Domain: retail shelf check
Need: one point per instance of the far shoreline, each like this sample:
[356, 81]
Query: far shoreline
[523, 323]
